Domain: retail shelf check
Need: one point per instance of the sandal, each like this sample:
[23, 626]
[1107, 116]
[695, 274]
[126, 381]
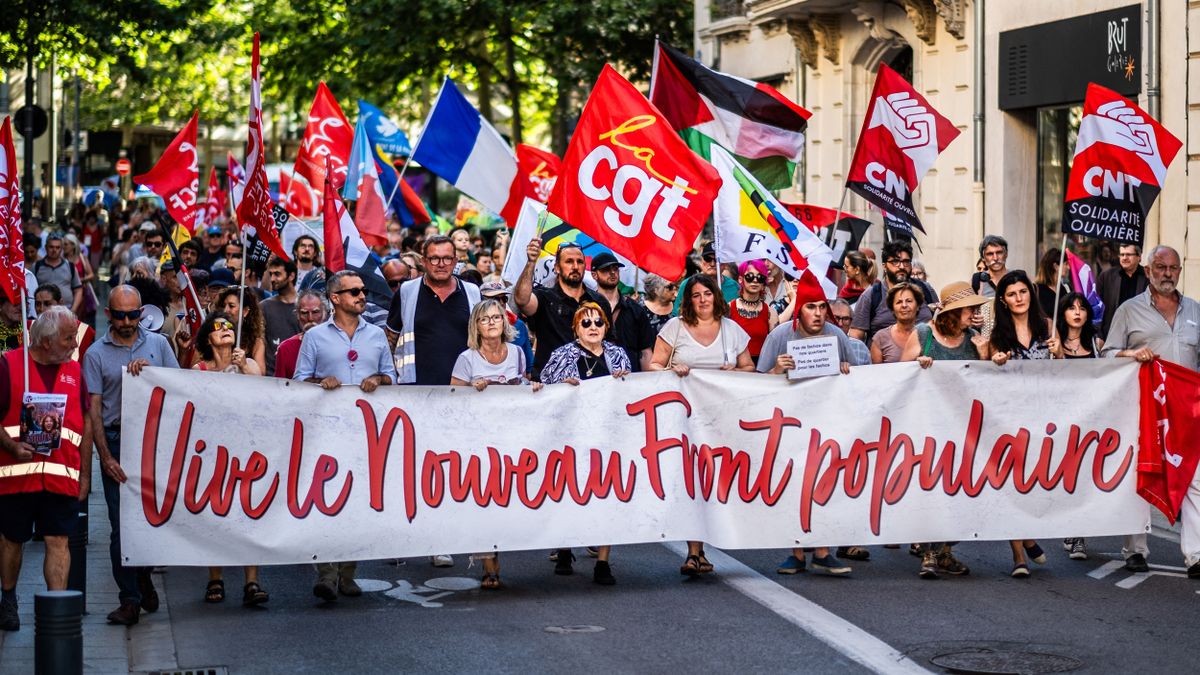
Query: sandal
[215, 591]
[253, 594]
[690, 566]
[705, 566]
[490, 582]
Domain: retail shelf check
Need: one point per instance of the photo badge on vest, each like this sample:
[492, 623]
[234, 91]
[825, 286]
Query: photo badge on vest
[41, 421]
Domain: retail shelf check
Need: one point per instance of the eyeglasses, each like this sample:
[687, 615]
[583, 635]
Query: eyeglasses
[441, 260]
[754, 278]
[843, 319]
[493, 318]
[709, 258]
[395, 283]
[121, 315]
[901, 262]
[222, 324]
[352, 291]
[588, 323]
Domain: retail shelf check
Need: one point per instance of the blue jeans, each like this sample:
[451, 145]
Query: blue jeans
[126, 577]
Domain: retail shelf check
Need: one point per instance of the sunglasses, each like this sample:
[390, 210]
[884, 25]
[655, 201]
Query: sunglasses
[352, 291]
[222, 324]
[710, 258]
[754, 278]
[121, 315]
[588, 323]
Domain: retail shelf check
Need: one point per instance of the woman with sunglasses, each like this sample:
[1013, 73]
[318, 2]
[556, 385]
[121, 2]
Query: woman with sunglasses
[490, 358]
[702, 336]
[253, 324]
[589, 356]
[658, 298]
[219, 354]
[750, 309]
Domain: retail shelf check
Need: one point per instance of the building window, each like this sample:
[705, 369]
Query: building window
[902, 63]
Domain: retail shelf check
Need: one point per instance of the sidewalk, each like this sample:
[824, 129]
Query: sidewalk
[106, 648]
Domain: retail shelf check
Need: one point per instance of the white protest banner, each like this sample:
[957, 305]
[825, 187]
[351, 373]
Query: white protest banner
[814, 357]
[886, 454]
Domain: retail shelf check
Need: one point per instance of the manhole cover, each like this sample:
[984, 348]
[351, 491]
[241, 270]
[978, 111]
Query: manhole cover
[453, 583]
[1005, 661]
[564, 630]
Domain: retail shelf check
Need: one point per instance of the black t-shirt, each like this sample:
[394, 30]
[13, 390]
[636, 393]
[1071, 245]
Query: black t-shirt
[281, 324]
[632, 330]
[597, 364]
[1130, 286]
[440, 334]
[551, 323]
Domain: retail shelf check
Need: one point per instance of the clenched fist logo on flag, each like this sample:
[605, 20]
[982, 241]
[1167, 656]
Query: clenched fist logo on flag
[1121, 159]
[629, 182]
[901, 138]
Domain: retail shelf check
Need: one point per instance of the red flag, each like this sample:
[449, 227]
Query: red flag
[1121, 160]
[537, 172]
[631, 183]
[1170, 422]
[333, 213]
[298, 198]
[12, 258]
[215, 198]
[176, 176]
[902, 136]
[327, 140]
[254, 210]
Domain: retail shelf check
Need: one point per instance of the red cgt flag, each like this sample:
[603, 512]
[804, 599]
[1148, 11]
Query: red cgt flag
[254, 209]
[176, 176]
[1170, 421]
[327, 140]
[214, 204]
[12, 259]
[901, 138]
[537, 172]
[629, 182]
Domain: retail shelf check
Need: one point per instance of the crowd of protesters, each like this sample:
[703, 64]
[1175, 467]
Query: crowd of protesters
[453, 321]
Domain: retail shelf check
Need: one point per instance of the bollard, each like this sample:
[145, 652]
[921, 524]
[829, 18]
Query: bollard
[58, 633]
[78, 541]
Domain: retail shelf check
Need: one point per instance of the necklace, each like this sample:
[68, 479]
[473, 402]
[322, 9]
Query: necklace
[591, 366]
[751, 309]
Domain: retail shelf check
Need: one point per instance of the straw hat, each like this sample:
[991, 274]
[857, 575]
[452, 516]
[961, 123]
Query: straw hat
[958, 295]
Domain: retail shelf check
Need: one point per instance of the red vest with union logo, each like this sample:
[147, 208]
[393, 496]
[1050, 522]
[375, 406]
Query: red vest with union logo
[57, 472]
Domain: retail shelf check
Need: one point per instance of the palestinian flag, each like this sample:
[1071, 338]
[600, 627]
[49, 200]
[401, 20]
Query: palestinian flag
[759, 125]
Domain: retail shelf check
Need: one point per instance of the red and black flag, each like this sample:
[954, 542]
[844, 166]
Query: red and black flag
[1121, 160]
[901, 138]
[848, 230]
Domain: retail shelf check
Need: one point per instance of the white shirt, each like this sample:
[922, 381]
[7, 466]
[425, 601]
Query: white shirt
[471, 366]
[731, 341]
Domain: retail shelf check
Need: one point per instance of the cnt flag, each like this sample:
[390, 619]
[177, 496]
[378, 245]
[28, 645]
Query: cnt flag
[1167, 453]
[631, 183]
[537, 172]
[254, 209]
[1120, 164]
[362, 186]
[749, 224]
[327, 139]
[901, 138]
[12, 259]
[176, 176]
[466, 151]
[848, 230]
[760, 126]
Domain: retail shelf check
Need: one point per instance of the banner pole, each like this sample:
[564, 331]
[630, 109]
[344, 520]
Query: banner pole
[237, 341]
[1062, 256]
[838, 218]
[542, 222]
[25, 338]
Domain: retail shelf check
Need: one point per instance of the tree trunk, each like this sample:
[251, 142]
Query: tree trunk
[484, 70]
[558, 117]
[514, 83]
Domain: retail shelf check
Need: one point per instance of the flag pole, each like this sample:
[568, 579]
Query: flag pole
[408, 160]
[838, 218]
[237, 340]
[25, 338]
[1062, 257]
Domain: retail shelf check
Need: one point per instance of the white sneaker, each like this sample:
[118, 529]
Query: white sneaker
[441, 561]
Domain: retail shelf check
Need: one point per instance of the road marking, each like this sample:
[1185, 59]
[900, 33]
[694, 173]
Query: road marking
[1106, 569]
[1135, 579]
[852, 641]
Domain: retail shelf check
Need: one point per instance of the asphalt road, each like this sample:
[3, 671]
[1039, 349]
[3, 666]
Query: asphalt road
[415, 618]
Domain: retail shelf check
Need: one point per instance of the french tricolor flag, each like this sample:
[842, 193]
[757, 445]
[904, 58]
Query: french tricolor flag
[461, 147]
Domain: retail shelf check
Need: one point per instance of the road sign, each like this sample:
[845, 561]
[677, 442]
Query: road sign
[124, 166]
[31, 121]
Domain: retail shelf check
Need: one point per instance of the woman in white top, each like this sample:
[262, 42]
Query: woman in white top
[701, 337]
[489, 359]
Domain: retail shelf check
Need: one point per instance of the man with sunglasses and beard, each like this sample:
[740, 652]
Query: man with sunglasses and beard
[126, 346]
[346, 349]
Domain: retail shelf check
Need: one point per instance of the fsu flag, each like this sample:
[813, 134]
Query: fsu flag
[901, 138]
[848, 230]
[176, 176]
[12, 258]
[327, 139]
[1168, 453]
[1121, 160]
[631, 183]
[537, 172]
[254, 210]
